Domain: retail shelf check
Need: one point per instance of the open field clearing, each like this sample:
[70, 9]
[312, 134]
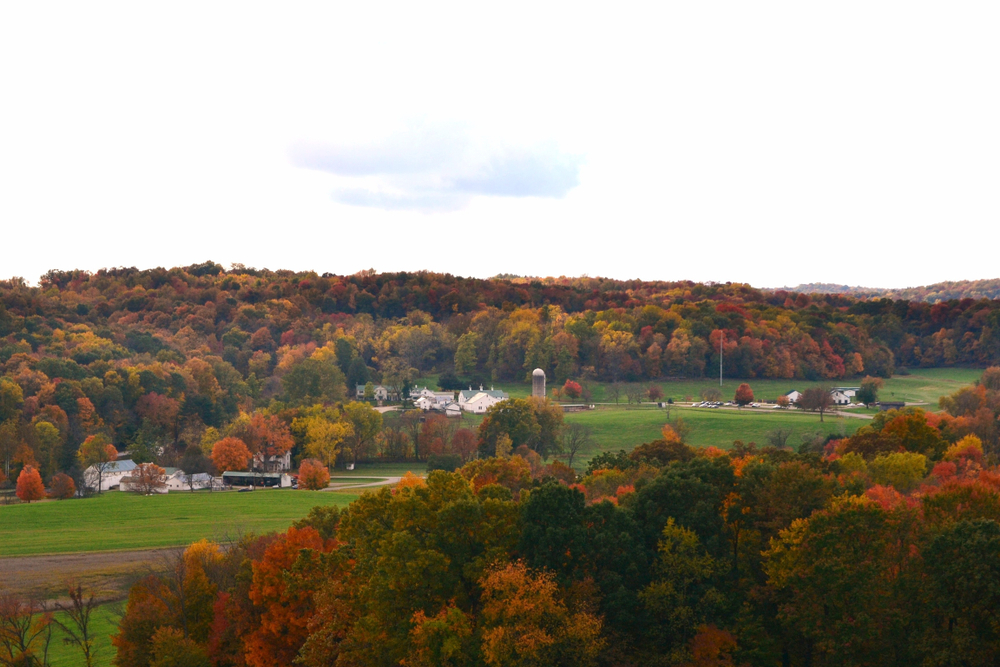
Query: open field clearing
[104, 624]
[923, 385]
[122, 521]
[615, 429]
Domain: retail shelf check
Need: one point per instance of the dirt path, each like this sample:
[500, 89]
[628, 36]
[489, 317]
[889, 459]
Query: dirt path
[107, 572]
[336, 485]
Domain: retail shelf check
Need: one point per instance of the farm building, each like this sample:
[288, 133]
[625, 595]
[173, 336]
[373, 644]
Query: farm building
[381, 393]
[267, 479]
[481, 400]
[112, 476]
[793, 395]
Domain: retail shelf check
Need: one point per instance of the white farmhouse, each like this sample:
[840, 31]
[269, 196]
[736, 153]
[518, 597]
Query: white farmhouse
[381, 393]
[111, 477]
[839, 397]
[481, 400]
[793, 396]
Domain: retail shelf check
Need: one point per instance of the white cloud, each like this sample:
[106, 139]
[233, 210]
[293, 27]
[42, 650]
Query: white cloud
[439, 168]
[774, 142]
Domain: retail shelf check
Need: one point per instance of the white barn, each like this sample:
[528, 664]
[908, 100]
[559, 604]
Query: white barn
[481, 400]
[112, 476]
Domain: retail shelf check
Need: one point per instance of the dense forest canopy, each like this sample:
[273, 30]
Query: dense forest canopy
[164, 357]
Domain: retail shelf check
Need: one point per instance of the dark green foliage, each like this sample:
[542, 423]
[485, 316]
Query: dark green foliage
[445, 462]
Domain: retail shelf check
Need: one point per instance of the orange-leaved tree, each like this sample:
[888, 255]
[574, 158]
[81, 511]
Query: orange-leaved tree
[230, 454]
[62, 486]
[525, 622]
[98, 455]
[29, 485]
[313, 475]
[285, 596]
[264, 435]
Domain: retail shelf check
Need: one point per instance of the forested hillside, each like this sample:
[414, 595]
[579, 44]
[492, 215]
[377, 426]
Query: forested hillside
[946, 291]
[160, 356]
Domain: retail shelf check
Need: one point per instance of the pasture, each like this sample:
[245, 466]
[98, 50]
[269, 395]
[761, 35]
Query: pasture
[615, 429]
[116, 521]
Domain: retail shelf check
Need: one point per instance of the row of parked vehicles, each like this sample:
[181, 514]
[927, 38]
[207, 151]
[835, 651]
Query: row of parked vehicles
[717, 404]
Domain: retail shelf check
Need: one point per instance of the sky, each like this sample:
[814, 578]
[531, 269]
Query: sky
[772, 143]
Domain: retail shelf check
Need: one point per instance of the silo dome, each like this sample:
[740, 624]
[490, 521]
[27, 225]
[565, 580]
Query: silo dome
[538, 383]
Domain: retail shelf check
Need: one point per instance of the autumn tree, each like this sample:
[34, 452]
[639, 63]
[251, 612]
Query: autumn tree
[463, 443]
[62, 486]
[365, 422]
[576, 437]
[711, 394]
[77, 622]
[147, 479]
[230, 454]
[323, 431]
[744, 395]
[266, 437]
[854, 560]
[536, 423]
[170, 648]
[25, 632]
[284, 598]
[815, 399]
[868, 393]
[316, 379]
[313, 475]
[524, 621]
[572, 389]
[29, 485]
[99, 455]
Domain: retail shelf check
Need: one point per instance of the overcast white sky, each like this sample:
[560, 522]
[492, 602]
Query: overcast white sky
[764, 142]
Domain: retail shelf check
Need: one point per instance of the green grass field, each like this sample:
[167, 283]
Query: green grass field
[615, 429]
[104, 624]
[117, 521]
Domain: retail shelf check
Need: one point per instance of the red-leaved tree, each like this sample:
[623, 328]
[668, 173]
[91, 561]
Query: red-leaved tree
[572, 389]
[744, 395]
[62, 486]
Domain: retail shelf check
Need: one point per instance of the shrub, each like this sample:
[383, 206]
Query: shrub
[446, 462]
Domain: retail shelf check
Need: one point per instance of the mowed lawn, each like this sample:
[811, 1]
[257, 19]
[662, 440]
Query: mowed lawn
[117, 521]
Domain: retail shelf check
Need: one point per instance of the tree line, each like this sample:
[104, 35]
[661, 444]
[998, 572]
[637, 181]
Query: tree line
[152, 361]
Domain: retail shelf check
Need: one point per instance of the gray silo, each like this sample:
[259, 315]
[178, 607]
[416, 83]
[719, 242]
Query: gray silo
[538, 383]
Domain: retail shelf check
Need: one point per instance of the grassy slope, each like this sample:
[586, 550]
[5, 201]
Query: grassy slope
[623, 429]
[117, 521]
[104, 624]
